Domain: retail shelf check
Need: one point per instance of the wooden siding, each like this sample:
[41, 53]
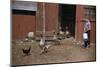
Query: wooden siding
[22, 24]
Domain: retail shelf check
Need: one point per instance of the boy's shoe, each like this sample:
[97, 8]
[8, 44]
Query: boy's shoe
[88, 46]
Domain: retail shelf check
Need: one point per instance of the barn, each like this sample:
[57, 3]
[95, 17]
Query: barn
[27, 17]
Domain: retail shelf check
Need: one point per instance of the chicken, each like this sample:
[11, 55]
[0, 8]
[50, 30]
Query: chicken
[55, 39]
[26, 51]
[30, 35]
[44, 46]
[61, 32]
[67, 34]
[59, 38]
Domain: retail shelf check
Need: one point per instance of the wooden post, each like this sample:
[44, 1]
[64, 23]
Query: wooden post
[44, 22]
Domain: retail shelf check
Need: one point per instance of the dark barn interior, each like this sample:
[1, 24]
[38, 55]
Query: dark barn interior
[67, 15]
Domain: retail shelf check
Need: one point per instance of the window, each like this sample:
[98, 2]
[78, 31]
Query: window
[90, 12]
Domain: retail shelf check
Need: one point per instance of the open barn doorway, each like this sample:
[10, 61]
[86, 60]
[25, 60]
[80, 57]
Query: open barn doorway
[67, 15]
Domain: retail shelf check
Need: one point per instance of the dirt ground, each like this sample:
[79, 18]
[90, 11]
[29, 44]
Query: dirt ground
[66, 52]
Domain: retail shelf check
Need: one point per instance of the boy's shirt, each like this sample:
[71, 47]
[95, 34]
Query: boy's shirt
[87, 26]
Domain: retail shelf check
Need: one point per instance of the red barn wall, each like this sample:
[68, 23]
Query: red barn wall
[22, 24]
[79, 23]
[39, 17]
[93, 31]
[51, 17]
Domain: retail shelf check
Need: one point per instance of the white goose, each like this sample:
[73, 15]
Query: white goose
[67, 32]
[61, 32]
[44, 46]
[42, 43]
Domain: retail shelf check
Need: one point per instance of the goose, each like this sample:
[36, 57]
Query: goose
[61, 32]
[55, 39]
[43, 46]
[42, 43]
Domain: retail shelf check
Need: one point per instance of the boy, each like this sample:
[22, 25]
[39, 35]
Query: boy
[87, 29]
